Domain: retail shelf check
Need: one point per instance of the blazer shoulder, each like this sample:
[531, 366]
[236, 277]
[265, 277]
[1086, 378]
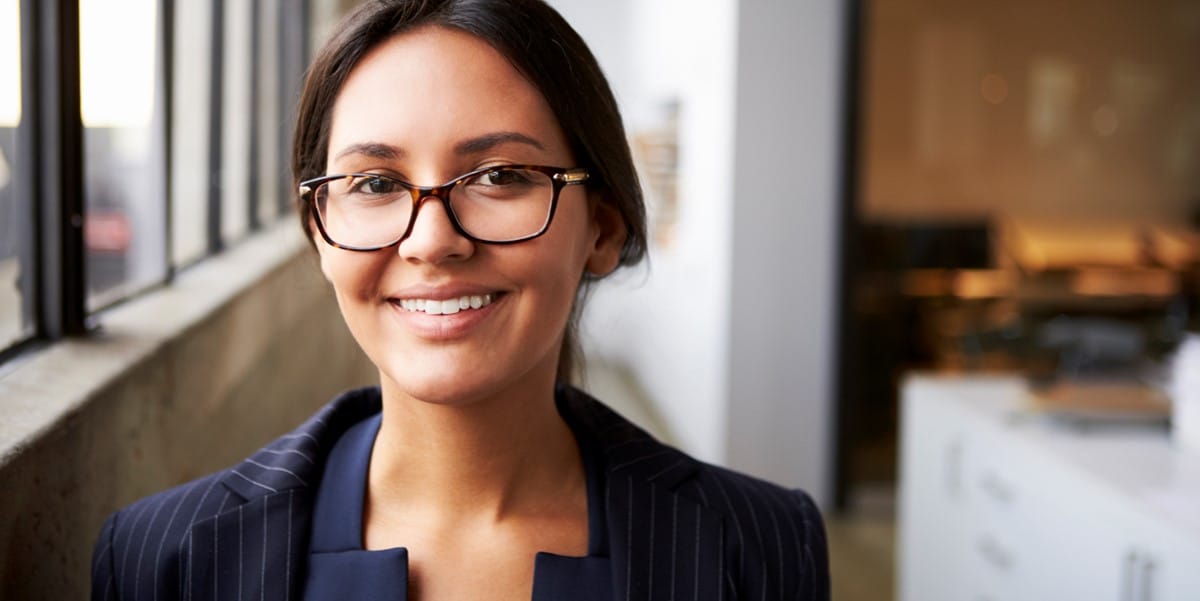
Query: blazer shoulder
[150, 535]
[774, 543]
[292, 460]
[768, 525]
[751, 505]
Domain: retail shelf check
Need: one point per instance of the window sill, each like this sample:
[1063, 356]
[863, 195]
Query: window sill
[46, 386]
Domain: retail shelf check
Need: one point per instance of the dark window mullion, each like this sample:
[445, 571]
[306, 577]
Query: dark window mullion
[56, 148]
[252, 182]
[215, 100]
[166, 11]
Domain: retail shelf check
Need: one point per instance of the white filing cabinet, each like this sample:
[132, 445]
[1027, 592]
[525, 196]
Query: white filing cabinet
[999, 505]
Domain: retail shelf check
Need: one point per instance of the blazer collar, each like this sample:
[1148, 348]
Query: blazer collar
[662, 543]
[294, 461]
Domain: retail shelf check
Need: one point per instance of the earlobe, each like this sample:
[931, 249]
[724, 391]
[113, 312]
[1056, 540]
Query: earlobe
[609, 240]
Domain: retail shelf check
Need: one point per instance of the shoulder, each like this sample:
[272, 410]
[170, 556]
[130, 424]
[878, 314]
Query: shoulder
[152, 534]
[764, 525]
[628, 447]
[774, 536]
[152, 531]
[290, 461]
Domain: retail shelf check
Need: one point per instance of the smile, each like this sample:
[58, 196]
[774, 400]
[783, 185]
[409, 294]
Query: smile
[445, 307]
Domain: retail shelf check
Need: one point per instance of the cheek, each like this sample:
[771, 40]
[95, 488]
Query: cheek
[354, 276]
[571, 237]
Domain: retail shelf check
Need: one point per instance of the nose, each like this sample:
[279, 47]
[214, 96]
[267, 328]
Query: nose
[433, 237]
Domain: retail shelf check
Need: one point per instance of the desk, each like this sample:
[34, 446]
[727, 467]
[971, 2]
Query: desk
[999, 504]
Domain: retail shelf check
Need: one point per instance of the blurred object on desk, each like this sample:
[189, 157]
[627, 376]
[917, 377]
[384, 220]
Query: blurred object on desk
[1185, 394]
[1038, 245]
[1084, 403]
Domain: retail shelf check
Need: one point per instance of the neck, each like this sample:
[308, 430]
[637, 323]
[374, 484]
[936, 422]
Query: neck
[490, 458]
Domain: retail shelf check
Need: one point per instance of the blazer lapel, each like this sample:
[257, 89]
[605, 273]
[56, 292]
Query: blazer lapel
[255, 551]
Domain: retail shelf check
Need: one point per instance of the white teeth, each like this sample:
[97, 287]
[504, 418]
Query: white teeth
[445, 307]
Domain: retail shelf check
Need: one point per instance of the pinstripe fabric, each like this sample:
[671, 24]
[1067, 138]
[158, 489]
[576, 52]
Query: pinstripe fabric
[677, 529]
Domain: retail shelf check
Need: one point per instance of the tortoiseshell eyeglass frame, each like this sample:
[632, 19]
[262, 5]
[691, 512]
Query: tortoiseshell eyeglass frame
[559, 177]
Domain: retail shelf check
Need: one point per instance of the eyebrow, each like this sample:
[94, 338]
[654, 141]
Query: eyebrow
[377, 150]
[487, 142]
[484, 143]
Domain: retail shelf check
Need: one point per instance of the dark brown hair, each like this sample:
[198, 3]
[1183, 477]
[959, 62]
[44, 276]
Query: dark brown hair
[543, 47]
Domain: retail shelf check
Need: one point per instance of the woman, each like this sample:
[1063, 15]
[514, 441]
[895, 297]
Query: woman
[471, 471]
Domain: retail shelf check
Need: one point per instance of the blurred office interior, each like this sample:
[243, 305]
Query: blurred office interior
[859, 209]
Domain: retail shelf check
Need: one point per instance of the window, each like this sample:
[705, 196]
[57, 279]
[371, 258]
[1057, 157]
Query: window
[141, 137]
[16, 240]
[125, 224]
[236, 123]
[190, 124]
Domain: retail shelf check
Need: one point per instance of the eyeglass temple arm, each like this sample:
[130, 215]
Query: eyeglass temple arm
[574, 176]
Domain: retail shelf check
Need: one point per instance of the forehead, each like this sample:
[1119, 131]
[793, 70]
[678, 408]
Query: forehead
[433, 87]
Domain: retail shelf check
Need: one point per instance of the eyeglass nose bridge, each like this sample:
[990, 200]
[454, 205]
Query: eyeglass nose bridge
[420, 195]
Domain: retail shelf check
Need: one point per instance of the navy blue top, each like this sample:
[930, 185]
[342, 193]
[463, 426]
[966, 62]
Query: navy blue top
[340, 569]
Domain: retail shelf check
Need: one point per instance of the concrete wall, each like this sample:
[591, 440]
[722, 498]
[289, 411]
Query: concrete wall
[179, 383]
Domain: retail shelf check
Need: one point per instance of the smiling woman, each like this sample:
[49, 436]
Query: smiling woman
[462, 172]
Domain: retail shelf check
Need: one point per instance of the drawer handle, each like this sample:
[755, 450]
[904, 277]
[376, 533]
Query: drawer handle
[1137, 577]
[1129, 577]
[1146, 578]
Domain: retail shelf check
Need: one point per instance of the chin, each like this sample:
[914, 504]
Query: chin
[451, 387]
[462, 383]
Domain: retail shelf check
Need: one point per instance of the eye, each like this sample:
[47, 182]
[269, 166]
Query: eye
[502, 177]
[373, 185]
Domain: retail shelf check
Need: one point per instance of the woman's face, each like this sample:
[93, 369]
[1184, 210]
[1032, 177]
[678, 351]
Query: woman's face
[427, 106]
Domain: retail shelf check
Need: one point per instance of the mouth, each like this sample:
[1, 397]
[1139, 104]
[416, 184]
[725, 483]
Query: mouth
[449, 306]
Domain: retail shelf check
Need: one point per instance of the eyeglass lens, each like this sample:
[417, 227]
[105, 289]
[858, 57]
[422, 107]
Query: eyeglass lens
[500, 205]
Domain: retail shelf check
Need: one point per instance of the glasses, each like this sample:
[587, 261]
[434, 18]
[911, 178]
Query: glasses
[498, 205]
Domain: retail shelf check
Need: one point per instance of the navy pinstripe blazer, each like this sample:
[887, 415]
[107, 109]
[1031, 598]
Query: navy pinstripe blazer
[677, 528]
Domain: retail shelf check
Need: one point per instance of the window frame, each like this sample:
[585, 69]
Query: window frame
[49, 183]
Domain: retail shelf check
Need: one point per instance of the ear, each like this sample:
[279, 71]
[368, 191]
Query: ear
[609, 229]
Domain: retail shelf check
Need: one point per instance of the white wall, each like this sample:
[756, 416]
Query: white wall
[667, 321]
[729, 329]
[787, 148]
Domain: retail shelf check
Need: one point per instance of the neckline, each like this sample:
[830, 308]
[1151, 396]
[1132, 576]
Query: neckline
[338, 508]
